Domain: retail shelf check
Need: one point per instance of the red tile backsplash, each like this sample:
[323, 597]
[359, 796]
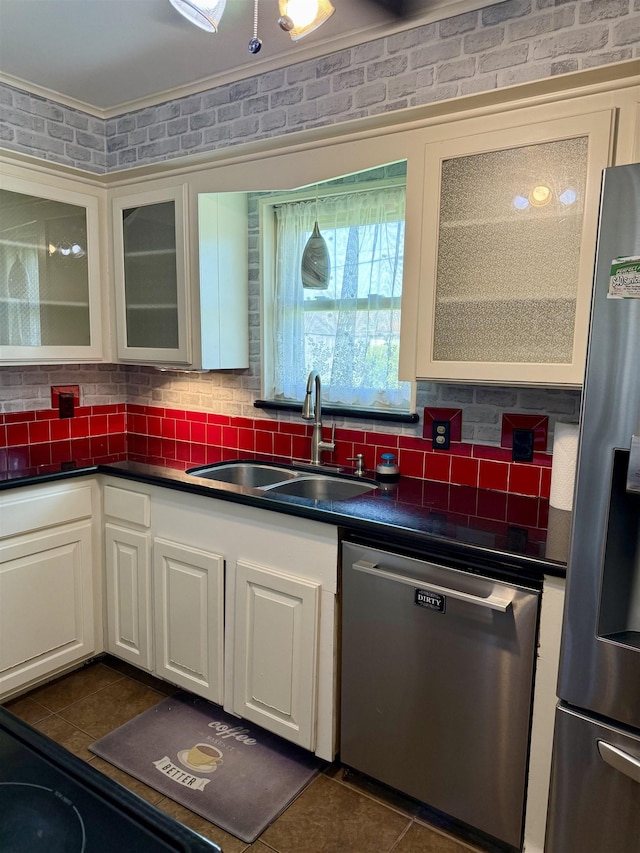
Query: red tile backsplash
[411, 463]
[39, 432]
[464, 471]
[524, 479]
[179, 438]
[437, 466]
[493, 475]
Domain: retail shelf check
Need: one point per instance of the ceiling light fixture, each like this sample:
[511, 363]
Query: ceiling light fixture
[301, 17]
[297, 17]
[205, 14]
[540, 195]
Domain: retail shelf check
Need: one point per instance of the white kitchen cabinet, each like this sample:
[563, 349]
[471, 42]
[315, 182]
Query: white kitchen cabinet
[189, 617]
[47, 605]
[509, 229]
[127, 567]
[181, 277]
[151, 274]
[296, 561]
[128, 586]
[276, 651]
[165, 594]
[50, 298]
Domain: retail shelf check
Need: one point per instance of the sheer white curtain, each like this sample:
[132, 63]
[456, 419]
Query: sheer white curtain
[19, 262]
[350, 332]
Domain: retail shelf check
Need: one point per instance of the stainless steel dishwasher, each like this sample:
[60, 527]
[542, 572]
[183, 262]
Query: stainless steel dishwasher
[437, 685]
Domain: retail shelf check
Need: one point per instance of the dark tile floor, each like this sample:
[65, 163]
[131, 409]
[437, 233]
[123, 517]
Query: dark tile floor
[337, 813]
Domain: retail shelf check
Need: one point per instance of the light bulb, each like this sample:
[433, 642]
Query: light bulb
[540, 195]
[301, 17]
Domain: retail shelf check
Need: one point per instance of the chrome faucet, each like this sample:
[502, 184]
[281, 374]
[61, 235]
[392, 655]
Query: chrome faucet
[315, 414]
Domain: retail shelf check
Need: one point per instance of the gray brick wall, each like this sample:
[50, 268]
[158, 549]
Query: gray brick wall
[28, 388]
[502, 45]
[33, 125]
[505, 44]
[511, 42]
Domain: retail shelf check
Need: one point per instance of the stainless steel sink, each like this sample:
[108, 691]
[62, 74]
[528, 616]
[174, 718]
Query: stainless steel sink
[253, 475]
[320, 488]
[285, 480]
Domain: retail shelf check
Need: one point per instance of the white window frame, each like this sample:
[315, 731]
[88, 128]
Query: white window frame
[267, 231]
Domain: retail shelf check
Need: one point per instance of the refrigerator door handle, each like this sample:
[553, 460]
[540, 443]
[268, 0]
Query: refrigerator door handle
[620, 760]
[633, 474]
[495, 601]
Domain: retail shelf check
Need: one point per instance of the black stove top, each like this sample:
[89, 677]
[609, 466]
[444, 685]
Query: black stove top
[53, 802]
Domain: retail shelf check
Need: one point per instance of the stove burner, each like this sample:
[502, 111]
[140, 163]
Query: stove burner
[37, 819]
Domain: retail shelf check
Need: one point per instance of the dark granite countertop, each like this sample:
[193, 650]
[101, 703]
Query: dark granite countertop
[506, 534]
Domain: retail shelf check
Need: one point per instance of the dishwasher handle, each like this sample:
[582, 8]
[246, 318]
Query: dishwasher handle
[495, 601]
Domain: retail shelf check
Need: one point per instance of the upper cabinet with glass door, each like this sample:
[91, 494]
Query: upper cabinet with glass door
[49, 273]
[510, 218]
[149, 231]
[181, 278]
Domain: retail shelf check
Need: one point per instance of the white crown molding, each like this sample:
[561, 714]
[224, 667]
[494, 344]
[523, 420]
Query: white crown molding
[601, 80]
[438, 10]
[49, 95]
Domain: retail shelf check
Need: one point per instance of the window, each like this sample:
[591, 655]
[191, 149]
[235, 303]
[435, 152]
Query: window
[350, 332]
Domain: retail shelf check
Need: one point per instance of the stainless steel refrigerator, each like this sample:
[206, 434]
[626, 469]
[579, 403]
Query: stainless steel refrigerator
[594, 804]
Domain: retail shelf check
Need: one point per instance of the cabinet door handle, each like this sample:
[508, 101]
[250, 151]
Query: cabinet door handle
[495, 601]
[620, 760]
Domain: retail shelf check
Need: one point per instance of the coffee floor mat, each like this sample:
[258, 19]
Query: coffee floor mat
[228, 771]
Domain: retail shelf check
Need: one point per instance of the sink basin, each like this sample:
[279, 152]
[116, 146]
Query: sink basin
[250, 474]
[320, 488]
[284, 480]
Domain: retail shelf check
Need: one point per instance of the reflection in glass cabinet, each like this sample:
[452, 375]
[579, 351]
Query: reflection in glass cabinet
[44, 273]
[150, 275]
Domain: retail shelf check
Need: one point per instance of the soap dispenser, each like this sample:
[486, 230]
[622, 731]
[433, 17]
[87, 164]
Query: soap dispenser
[387, 470]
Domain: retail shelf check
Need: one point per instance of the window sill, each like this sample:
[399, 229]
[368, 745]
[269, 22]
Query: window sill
[345, 411]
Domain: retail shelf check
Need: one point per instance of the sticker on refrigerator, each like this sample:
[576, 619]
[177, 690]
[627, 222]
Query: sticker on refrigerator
[624, 279]
[430, 600]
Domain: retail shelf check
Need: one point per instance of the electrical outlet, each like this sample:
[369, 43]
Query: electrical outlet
[66, 405]
[522, 448]
[441, 435]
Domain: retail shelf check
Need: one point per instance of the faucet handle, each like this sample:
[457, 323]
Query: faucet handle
[328, 445]
[333, 437]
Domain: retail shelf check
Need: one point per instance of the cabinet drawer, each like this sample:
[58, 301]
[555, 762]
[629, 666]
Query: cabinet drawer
[126, 505]
[34, 512]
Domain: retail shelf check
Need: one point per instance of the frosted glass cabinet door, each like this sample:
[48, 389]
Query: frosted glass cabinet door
[150, 274]
[508, 252]
[49, 274]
